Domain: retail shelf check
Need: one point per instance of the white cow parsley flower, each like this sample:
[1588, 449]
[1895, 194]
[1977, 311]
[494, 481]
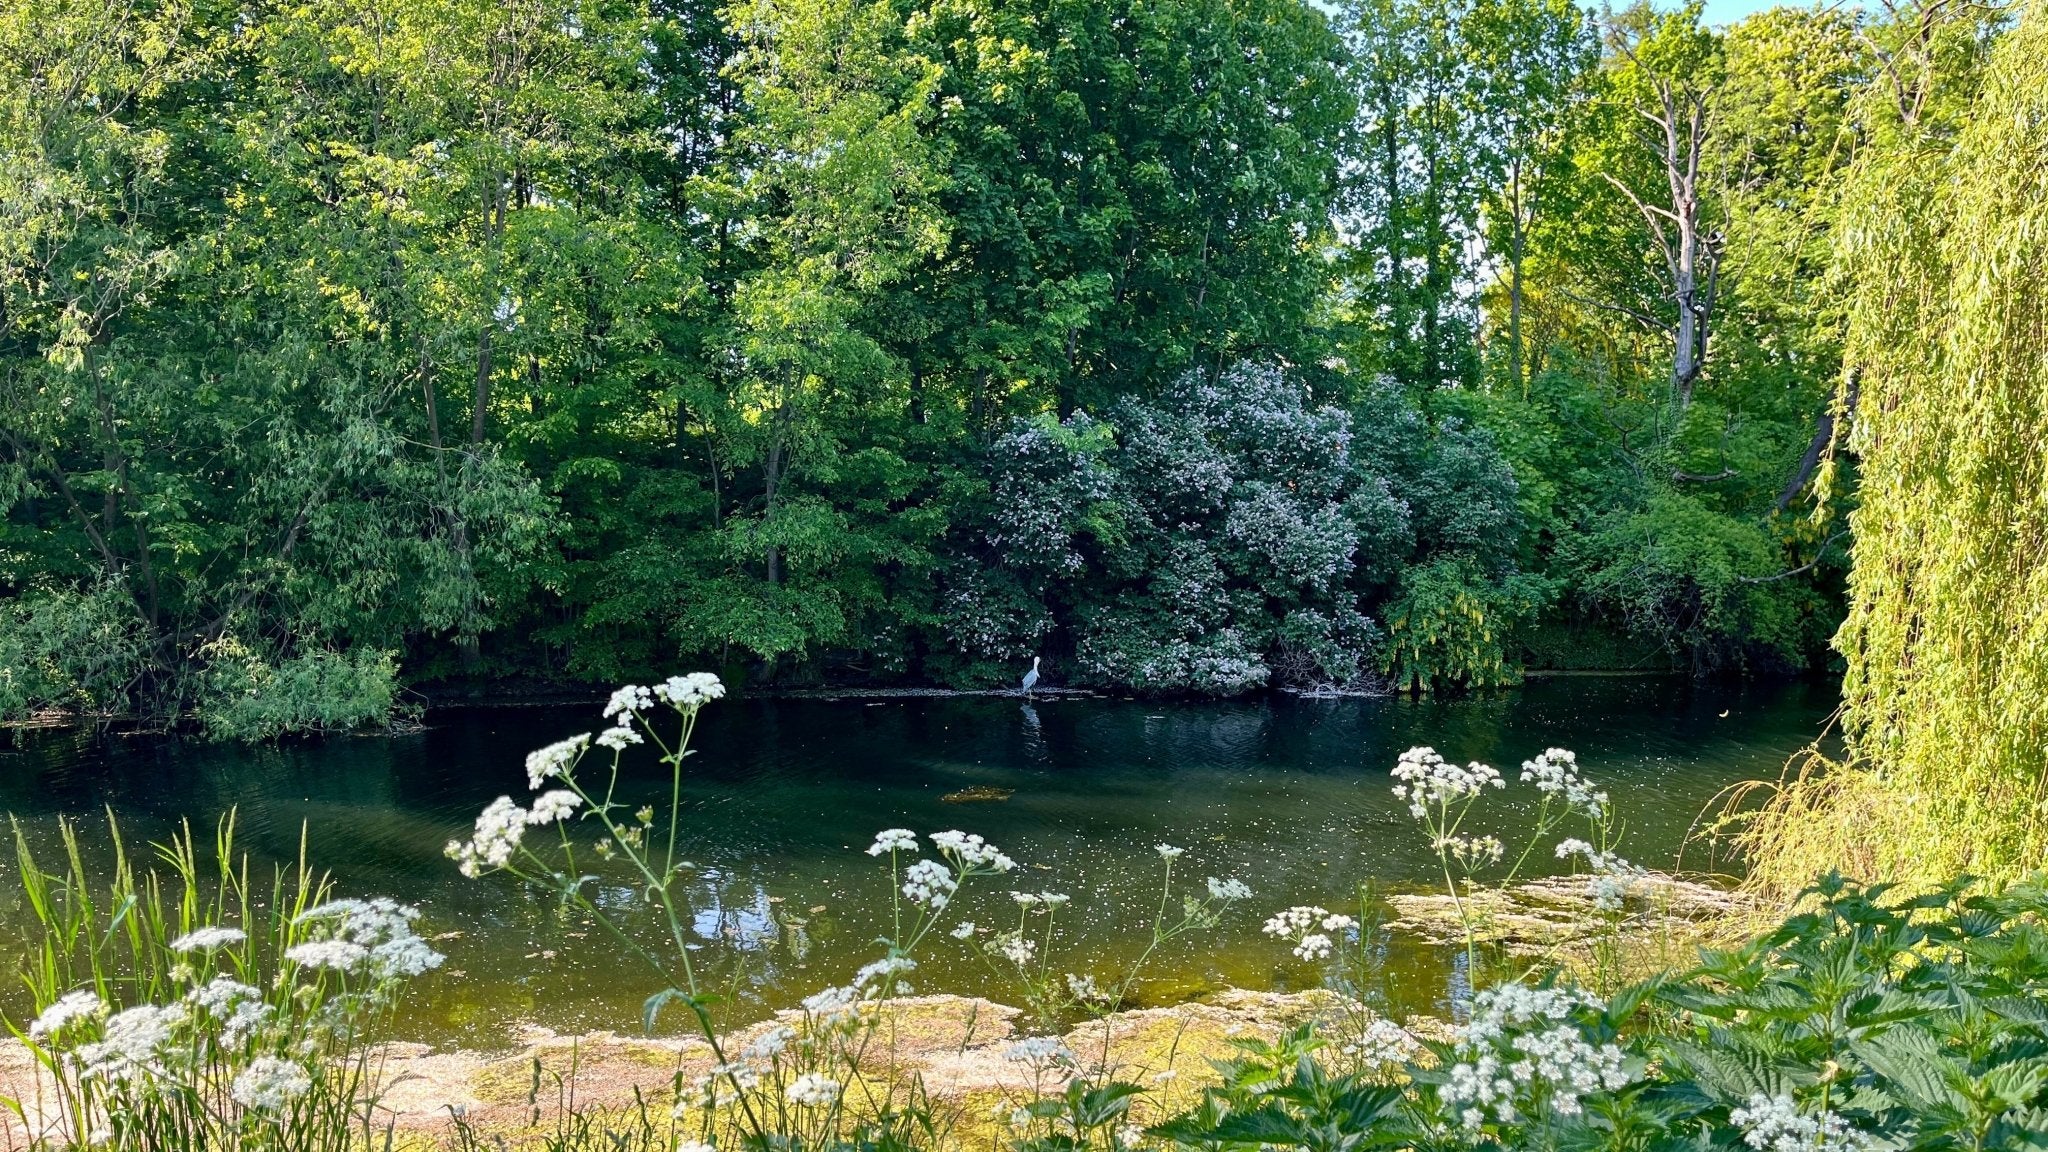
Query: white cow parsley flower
[811, 1090]
[929, 883]
[70, 1009]
[270, 1084]
[1427, 780]
[498, 831]
[544, 764]
[1774, 1124]
[550, 806]
[893, 840]
[691, 691]
[1556, 773]
[209, 939]
[972, 851]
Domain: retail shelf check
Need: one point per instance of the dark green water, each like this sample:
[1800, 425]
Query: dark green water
[1289, 795]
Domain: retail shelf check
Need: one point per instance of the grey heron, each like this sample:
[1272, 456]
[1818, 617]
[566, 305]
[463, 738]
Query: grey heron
[1031, 677]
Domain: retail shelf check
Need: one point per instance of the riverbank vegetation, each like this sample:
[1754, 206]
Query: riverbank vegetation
[357, 347]
[1947, 335]
[182, 1009]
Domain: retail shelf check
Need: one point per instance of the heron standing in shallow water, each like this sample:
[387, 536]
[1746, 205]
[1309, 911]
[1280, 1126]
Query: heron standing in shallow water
[1031, 677]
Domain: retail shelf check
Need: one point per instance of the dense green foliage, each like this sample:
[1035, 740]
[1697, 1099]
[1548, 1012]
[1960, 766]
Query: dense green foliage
[1196, 345]
[1944, 251]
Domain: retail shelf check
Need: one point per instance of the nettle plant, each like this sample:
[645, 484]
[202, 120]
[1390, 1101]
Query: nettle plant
[1868, 1021]
[179, 1007]
[810, 1081]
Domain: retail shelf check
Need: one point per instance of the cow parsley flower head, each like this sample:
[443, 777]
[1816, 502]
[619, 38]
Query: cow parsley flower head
[965, 930]
[692, 691]
[893, 840]
[1384, 1043]
[270, 1084]
[881, 971]
[1555, 772]
[1228, 890]
[1612, 879]
[373, 937]
[208, 939]
[1015, 947]
[1427, 780]
[1040, 1051]
[619, 737]
[832, 1005]
[70, 1008]
[1527, 1044]
[812, 1090]
[1774, 1124]
[499, 829]
[930, 884]
[1168, 852]
[626, 701]
[237, 1008]
[768, 1045]
[972, 851]
[1314, 946]
[543, 764]
[1085, 990]
[131, 1043]
[1294, 921]
[550, 806]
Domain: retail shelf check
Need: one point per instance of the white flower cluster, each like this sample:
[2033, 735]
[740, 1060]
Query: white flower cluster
[812, 1090]
[1427, 780]
[1524, 1044]
[69, 1009]
[618, 739]
[1612, 879]
[1556, 772]
[1299, 924]
[236, 1007]
[499, 828]
[1774, 1124]
[768, 1045]
[1013, 946]
[1168, 852]
[692, 691]
[131, 1043]
[1046, 900]
[1384, 1043]
[1040, 1051]
[364, 937]
[208, 939]
[1085, 990]
[1228, 890]
[972, 852]
[930, 883]
[553, 805]
[893, 840]
[270, 1084]
[627, 700]
[837, 1005]
[557, 759]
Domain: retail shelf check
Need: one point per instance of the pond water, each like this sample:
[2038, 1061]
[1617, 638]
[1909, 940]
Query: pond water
[784, 795]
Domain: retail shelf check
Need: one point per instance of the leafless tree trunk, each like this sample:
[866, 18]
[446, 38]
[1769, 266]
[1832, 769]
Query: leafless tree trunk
[1674, 125]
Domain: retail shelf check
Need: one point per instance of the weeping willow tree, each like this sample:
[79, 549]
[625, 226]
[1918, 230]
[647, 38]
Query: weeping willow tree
[1944, 278]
